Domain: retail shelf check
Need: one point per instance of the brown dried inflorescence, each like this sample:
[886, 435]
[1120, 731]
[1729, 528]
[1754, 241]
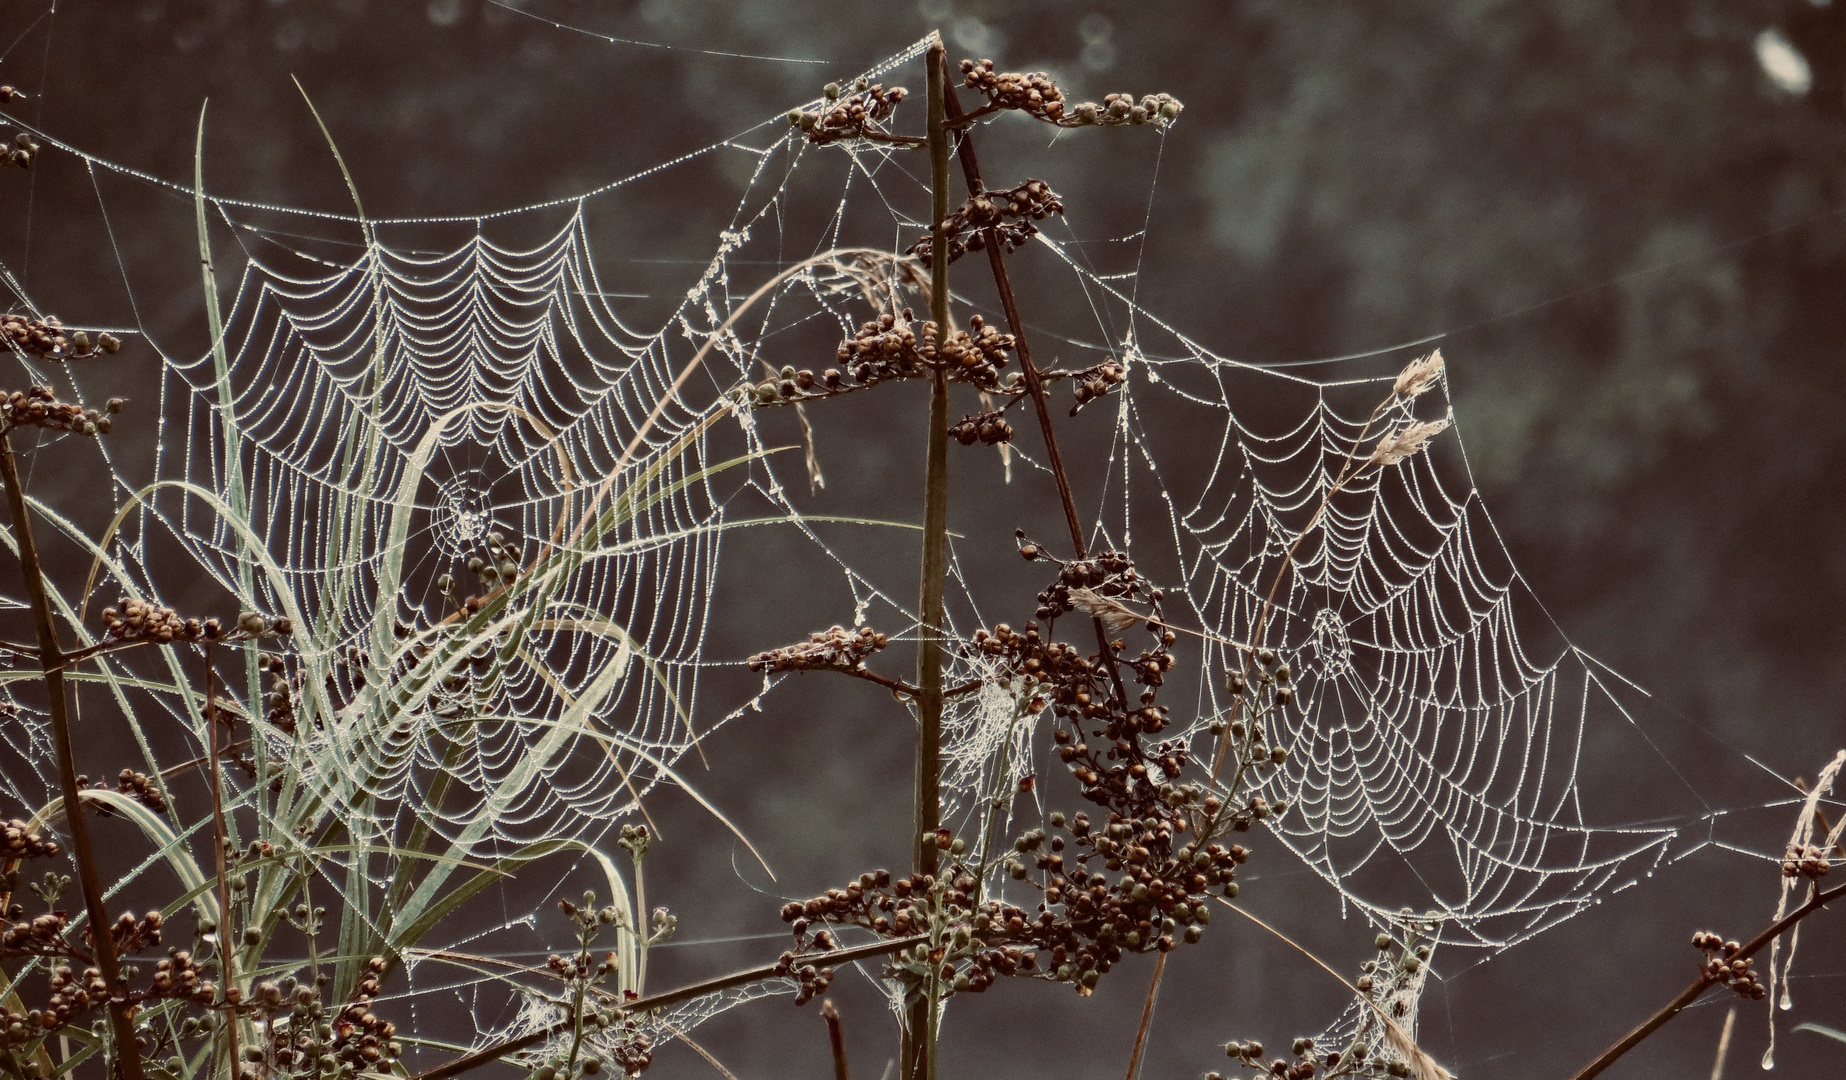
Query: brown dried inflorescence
[50, 338]
[1036, 95]
[38, 407]
[1806, 860]
[893, 347]
[141, 620]
[860, 115]
[25, 148]
[138, 786]
[1722, 965]
[1095, 382]
[836, 649]
[1010, 214]
[988, 427]
[19, 840]
[1154, 837]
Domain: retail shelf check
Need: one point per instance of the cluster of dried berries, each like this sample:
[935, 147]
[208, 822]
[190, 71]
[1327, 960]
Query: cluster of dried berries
[140, 620]
[23, 150]
[254, 625]
[1388, 984]
[361, 1038]
[22, 1028]
[42, 935]
[1249, 1054]
[1106, 574]
[1809, 861]
[1010, 214]
[987, 427]
[499, 569]
[20, 841]
[136, 785]
[284, 689]
[39, 407]
[48, 338]
[72, 994]
[131, 934]
[1155, 845]
[1092, 383]
[892, 348]
[1722, 965]
[1036, 95]
[181, 977]
[835, 648]
[632, 1053]
[854, 116]
[811, 980]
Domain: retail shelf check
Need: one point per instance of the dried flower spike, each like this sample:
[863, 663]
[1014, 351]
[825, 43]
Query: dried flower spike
[1418, 375]
[1407, 441]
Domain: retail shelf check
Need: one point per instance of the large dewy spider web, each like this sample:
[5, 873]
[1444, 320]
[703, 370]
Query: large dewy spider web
[374, 422]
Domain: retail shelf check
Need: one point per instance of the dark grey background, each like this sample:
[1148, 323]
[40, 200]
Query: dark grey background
[1631, 237]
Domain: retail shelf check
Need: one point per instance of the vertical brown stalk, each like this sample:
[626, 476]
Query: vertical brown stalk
[51, 662]
[1035, 386]
[1035, 383]
[837, 1038]
[226, 936]
[919, 1049]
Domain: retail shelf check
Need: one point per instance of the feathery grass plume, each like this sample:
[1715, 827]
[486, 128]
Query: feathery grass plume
[1801, 849]
[1422, 1066]
[1407, 441]
[1418, 375]
[1116, 616]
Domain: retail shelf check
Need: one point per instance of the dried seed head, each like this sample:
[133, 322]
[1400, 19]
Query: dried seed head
[1407, 441]
[1418, 375]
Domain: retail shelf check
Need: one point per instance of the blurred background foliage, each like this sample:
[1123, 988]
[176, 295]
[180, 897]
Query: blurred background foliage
[1623, 216]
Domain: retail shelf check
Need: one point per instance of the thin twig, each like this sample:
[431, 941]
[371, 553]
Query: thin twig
[225, 928]
[1147, 1017]
[50, 655]
[1035, 382]
[658, 1001]
[837, 1039]
[1705, 982]
[701, 1051]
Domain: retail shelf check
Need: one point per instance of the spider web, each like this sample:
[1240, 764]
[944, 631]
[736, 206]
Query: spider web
[373, 419]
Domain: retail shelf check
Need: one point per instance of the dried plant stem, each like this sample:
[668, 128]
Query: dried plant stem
[1054, 458]
[1035, 382]
[226, 932]
[658, 1001]
[1147, 1016]
[837, 1039]
[919, 1045]
[127, 1055]
[1692, 993]
[1724, 1044]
